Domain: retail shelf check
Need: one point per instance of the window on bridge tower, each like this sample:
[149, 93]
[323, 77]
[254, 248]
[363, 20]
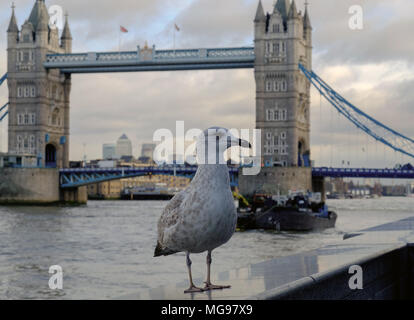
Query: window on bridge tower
[276, 28]
[269, 115]
[268, 47]
[32, 144]
[26, 57]
[276, 48]
[275, 86]
[19, 143]
[269, 86]
[55, 116]
[284, 85]
[26, 143]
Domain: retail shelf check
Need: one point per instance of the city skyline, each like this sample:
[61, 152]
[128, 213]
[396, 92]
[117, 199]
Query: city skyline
[370, 67]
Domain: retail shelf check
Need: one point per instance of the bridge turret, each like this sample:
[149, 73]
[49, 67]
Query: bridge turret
[260, 19]
[307, 35]
[66, 39]
[12, 30]
[42, 29]
[260, 22]
[282, 7]
[12, 41]
[295, 24]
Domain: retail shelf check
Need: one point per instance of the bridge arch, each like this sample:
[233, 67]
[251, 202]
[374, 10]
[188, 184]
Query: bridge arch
[50, 155]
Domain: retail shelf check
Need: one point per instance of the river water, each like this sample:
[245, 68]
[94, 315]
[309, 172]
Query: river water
[106, 248]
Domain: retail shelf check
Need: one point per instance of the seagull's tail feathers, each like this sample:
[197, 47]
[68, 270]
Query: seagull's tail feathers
[161, 251]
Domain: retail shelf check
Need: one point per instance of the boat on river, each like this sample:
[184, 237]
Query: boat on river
[298, 213]
[148, 192]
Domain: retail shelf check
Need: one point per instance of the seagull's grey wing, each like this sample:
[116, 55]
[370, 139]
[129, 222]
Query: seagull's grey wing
[170, 215]
[169, 218]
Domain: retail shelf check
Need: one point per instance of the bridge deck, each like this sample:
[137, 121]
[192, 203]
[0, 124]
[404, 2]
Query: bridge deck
[152, 60]
[70, 178]
[363, 173]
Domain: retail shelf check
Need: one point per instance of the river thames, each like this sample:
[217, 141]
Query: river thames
[106, 248]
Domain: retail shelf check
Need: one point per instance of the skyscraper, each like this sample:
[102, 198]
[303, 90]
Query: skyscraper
[109, 151]
[147, 150]
[123, 146]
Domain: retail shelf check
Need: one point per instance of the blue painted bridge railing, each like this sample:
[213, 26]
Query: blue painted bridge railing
[149, 59]
[363, 173]
[72, 178]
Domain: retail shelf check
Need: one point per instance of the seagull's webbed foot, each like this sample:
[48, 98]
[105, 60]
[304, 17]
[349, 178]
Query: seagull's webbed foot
[194, 289]
[210, 286]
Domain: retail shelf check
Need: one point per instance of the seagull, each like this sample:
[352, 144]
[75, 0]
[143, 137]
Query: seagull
[203, 216]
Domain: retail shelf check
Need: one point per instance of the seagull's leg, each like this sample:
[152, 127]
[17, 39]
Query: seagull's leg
[192, 288]
[209, 285]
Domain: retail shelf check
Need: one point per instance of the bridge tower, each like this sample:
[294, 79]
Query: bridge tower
[39, 99]
[283, 39]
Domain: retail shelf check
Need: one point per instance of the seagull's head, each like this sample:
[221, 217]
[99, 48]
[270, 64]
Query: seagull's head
[213, 142]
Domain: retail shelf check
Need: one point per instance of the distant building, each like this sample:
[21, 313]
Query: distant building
[113, 189]
[107, 164]
[147, 150]
[105, 190]
[123, 146]
[109, 151]
[127, 159]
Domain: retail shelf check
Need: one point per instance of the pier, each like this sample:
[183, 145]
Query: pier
[385, 253]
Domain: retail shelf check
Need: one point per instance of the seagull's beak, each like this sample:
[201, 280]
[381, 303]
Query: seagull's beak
[238, 142]
[244, 144]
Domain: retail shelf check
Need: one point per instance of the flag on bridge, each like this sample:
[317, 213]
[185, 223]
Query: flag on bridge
[124, 30]
[177, 28]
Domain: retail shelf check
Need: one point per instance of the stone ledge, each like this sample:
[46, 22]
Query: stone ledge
[385, 254]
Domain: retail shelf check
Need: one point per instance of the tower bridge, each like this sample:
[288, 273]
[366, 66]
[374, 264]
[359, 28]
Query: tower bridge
[40, 65]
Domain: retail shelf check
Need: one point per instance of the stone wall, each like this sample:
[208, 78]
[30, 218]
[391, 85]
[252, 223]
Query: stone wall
[19, 185]
[273, 180]
[386, 276]
[75, 195]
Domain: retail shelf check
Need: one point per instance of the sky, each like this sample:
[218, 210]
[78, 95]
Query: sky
[372, 68]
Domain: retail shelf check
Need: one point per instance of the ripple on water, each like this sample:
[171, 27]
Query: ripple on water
[106, 248]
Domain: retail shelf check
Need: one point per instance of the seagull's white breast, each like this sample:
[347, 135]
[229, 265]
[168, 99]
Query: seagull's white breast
[207, 215]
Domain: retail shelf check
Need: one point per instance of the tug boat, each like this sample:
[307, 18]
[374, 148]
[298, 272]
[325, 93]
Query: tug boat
[297, 212]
